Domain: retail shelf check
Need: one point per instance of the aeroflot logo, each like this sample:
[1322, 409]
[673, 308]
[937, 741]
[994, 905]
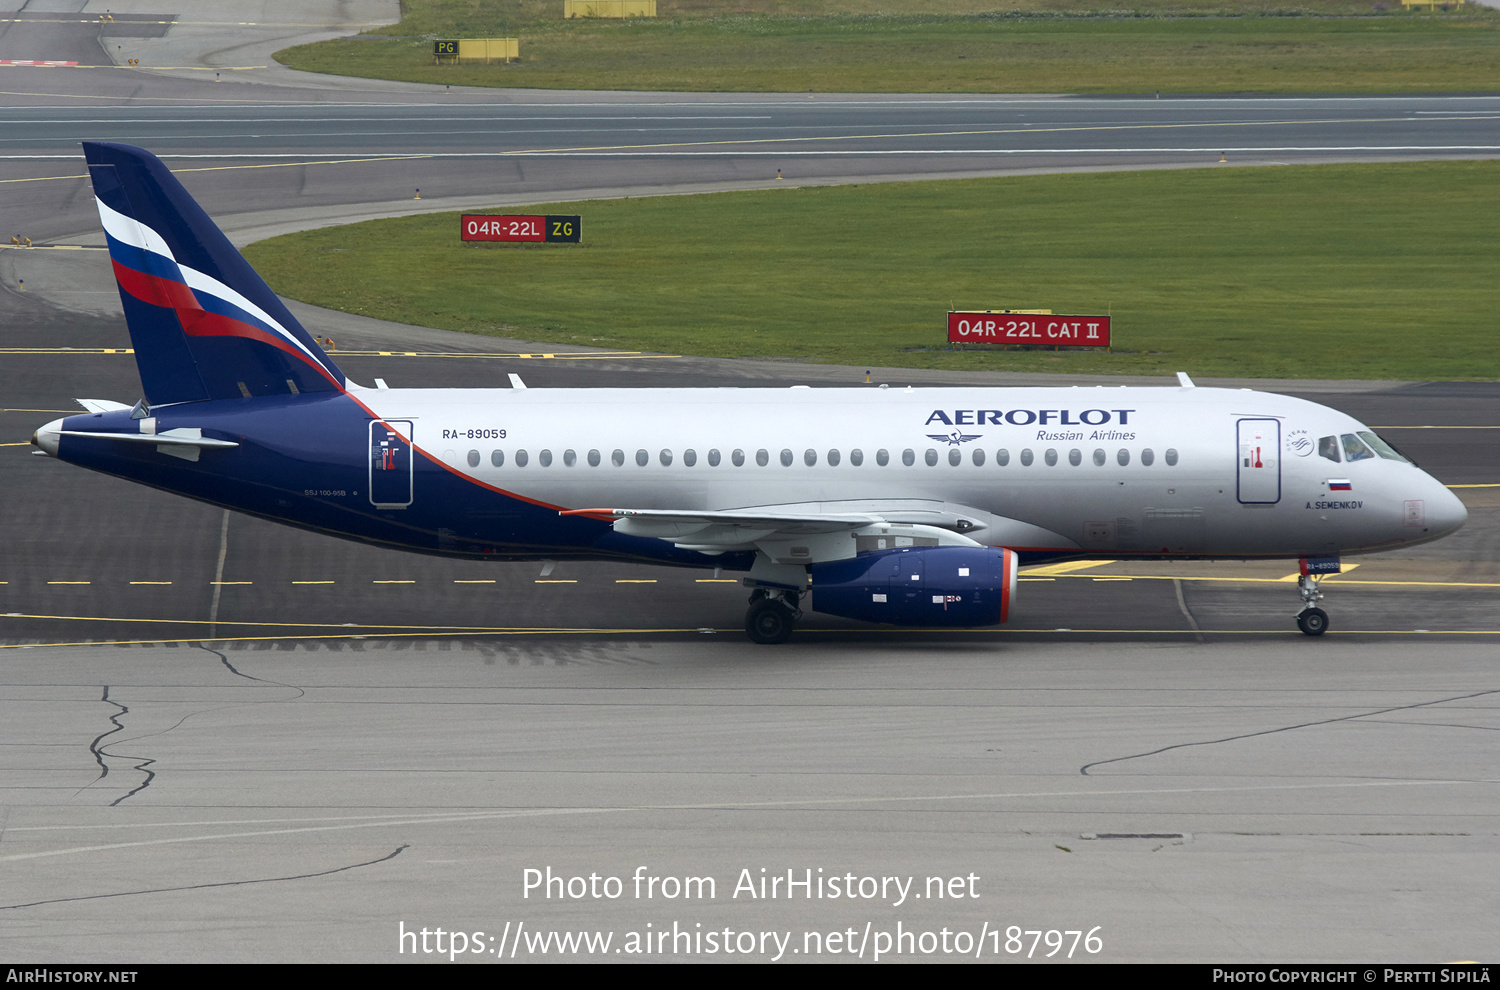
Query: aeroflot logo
[1026, 417]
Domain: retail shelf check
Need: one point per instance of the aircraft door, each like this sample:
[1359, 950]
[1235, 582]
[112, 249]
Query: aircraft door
[390, 457]
[1259, 467]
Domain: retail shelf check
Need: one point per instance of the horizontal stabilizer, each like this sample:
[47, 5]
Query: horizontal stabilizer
[186, 437]
[101, 405]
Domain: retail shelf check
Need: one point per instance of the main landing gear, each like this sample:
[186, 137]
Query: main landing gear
[772, 614]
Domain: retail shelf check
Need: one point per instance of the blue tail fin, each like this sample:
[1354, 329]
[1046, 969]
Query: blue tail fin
[203, 324]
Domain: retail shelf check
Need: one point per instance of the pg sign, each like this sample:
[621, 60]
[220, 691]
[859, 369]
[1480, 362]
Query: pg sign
[1027, 328]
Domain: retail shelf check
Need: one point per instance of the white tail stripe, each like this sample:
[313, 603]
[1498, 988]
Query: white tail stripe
[131, 231]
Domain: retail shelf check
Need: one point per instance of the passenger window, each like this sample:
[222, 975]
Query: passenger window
[689, 457]
[833, 458]
[1171, 456]
[1123, 457]
[473, 458]
[955, 456]
[1382, 448]
[713, 457]
[738, 457]
[666, 458]
[762, 457]
[882, 457]
[1099, 457]
[1329, 447]
[520, 458]
[642, 458]
[497, 458]
[593, 458]
[1027, 457]
[908, 457]
[1075, 457]
[545, 457]
[617, 458]
[1354, 450]
[978, 457]
[931, 457]
[809, 457]
[856, 457]
[1148, 458]
[570, 458]
[1002, 457]
[1051, 457]
[786, 457]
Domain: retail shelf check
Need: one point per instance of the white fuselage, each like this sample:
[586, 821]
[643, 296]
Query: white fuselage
[1118, 471]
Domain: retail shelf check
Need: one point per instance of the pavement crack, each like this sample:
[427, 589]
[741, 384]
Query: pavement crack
[1084, 770]
[98, 750]
[259, 680]
[94, 747]
[209, 886]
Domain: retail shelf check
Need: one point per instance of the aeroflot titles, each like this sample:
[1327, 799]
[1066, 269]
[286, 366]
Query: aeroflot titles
[1026, 417]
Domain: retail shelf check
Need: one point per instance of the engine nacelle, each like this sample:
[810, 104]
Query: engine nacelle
[919, 586]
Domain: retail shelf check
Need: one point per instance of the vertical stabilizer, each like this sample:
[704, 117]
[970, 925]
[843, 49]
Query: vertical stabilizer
[203, 323]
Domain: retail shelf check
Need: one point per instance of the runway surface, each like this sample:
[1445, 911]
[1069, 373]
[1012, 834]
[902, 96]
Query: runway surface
[307, 744]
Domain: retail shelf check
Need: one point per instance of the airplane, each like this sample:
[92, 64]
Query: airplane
[907, 506]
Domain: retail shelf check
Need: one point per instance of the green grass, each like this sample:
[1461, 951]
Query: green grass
[1337, 271]
[949, 46]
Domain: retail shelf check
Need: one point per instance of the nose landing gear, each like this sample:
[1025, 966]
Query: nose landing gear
[1312, 620]
[772, 615]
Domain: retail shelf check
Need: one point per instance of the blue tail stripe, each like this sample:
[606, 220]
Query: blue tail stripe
[142, 260]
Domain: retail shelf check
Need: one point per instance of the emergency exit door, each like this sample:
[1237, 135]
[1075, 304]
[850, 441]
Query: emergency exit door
[390, 464]
[1259, 469]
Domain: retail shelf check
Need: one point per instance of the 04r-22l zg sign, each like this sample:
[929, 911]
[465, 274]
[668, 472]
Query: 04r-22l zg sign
[480, 227]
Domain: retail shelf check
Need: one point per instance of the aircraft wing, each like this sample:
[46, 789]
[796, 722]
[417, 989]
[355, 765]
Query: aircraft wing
[733, 529]
[814, 532]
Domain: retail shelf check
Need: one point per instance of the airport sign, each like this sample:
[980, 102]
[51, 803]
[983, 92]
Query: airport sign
[1028, 328]
[481, 227]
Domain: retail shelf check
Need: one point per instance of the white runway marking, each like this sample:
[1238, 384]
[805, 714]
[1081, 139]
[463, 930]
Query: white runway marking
[789, 803]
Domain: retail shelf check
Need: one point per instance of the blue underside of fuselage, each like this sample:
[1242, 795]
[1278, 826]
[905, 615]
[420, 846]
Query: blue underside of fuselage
[303, 460]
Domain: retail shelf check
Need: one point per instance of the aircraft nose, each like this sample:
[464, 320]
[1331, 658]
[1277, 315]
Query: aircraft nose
[47, 437]
[1445, 511]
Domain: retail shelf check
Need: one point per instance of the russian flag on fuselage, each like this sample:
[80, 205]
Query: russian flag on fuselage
[203, 323]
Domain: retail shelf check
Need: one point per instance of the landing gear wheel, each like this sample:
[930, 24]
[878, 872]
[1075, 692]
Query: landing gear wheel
[1313, 621]
[769, 621]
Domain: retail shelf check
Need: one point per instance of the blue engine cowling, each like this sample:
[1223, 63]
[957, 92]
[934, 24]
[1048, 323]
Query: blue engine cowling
[919, 586]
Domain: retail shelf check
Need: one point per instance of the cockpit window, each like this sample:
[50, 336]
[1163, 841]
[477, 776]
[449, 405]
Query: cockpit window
[1381, 447]
[1329, 447]
[1354, 450]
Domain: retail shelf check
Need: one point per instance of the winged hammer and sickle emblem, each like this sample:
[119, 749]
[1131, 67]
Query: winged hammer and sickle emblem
[955, 438]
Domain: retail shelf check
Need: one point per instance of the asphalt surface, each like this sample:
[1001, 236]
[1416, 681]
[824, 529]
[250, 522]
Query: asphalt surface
[270, 769]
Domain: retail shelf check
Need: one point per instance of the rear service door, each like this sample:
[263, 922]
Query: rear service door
[391, 463]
